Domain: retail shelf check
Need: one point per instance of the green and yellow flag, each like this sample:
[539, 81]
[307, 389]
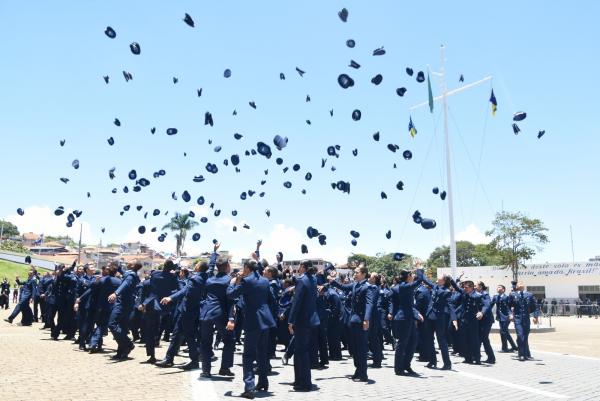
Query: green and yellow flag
[494, 103]
[411, 128]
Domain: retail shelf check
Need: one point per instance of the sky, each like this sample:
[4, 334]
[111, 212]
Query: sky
[542, 57]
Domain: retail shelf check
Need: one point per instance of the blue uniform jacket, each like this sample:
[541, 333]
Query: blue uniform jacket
[126, 291]
[28, 289]
[361, 298]
[160, 285]
[502, 307]
[304, 312]
[440, 303]
[257, 301]
[523, 303]
[402, 298]
[217, 305]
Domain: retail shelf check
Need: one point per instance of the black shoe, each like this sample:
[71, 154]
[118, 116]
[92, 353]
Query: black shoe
[8, 320]
[131, 347]
[431, 365]
[514, 350]
[151, 360]
[93, 350]
[477, 363]
[248, 394]
[360, 379]
[375, 366]
[304, 389]
[505, 351]
[226, 372]
[116, 357]
[490, 361]
[165, 363]
[190, 366]
[446, 367]
[411, 372]
[83, 347]
[521, 358]
[206, 375]
[262, 387]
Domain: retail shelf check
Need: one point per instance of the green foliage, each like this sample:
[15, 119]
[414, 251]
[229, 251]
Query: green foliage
[13, 246]
[516, 238]
[467, 254]
[10, 270]
[181, 224]
[382, 263]
[9, 230]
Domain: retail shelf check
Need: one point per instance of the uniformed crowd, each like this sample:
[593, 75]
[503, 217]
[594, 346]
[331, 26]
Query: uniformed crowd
[315, 314]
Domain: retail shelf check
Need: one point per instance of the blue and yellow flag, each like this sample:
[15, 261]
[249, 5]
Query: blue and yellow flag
[411, 128]
[494, 103]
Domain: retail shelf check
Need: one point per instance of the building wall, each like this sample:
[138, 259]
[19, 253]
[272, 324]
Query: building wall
[560, 280]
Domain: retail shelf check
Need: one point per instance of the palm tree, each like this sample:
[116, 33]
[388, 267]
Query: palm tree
[180, 223]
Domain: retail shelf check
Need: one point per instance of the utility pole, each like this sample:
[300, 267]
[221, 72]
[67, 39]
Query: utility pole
[450, 192]
[79, 250]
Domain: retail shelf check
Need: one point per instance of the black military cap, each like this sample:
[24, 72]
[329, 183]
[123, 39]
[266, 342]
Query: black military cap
[409, 71]
[59, 211]
[227, 73]
[383, 195]
[235, 160]
[519, 116]
[198, 178]
[238, 136]
[376, 80]
[428, 223]
[217, 212]
[186, 196]
[188, 20]
[353, 242]
[516, 128]
[155, 212]
[354, 64]
[420, 76]
[135, 48]
[141, 229]
[407, 154]
[117, 122]
[64, 179]
[281, 76]
[343, 14]
[132, 175]
[443, 195]
[252, 104]
[379, 51]
[279, 161]
[268, 213]
[388, 235]
[435, 190]
[280, 142]
[199, 92]
[110, 32]
[127, 75]
[400, 186]
[541, 133]
[312, 232]
[417, 217]
[345, 81]
[62, 142]
[21, 212]
[331, 151]
[195, 237]
[355, 234]
[350, 43]
[323, 239]
[126, 208]
[401, 91]
[296, 167]
[208, 120]
[243, 195]
[264, 149]
[139, 207]
[203, 219]
[287, 184]
[392, 147]
[175, 80]
[303, 249]
[171, 131]
[106, 78]
[75, 164]
[398, 256]
[356, 115]
[300, 72]
[111, 141]
[355, 152]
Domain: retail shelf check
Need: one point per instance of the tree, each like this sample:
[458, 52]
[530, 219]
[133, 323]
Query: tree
[9, 229]
[516, 238]
[181, 224]
[382, 263]
[467, 254]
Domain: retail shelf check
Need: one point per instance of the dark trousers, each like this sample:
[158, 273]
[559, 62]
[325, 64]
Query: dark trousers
[421, 343]
[470, 334]
[522, 328]
[484, 337]
[505, 336]
[302, 360]
[256, 348]
[66, 320]
[151, 330]
[119, 327]
[101, 321]
[359, 339]
[208, 327]
[376, 342]
[86, 326]
[439, 327]
[43, 309]
[36, 304]
[334, 329]
[291, 348]
[406, 343]
[27, 315]
[321, 342]
[272, 341]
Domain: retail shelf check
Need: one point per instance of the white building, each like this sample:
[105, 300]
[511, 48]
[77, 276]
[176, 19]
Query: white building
[561, 281]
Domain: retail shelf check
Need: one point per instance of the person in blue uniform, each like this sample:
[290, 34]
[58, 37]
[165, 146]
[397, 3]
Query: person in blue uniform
[303, 322]
[501, 301]
[404, 316]
[105, 286]
[28, 291]
[485, 324]
[422, 300]
[258, 320]
[362, 309]
[283, 312]
[271, 273]
[522, 304]
[438, 316]
[375, 334]
[474, 309]
[123, 299]
[334, 329]
[81, 314]
[161, 284]
[217, 315]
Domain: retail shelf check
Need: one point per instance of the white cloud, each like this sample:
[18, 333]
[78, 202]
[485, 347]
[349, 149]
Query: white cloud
[41, 220]
[472, 234]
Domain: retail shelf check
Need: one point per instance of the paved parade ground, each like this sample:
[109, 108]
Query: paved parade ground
[37, 368]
